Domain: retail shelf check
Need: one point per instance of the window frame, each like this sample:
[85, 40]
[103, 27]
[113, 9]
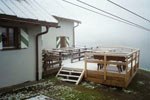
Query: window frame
[16, 38]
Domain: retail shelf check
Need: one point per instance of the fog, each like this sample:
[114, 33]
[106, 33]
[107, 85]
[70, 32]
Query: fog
[97, 30]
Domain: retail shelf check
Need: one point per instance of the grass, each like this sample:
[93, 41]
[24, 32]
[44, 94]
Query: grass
[139, 89]
[76, 93]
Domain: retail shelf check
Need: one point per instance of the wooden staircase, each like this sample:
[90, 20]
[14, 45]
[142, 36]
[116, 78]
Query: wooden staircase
[70, 74]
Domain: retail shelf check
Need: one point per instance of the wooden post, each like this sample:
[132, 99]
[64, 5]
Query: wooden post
[138, 58]
[72, 57]
[126, 75]
[132, 68]
[79, 54]
[60, 58]
[105, 67]
[85, 68]
[136, 62]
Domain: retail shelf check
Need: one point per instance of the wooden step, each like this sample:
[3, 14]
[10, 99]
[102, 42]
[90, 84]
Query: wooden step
[68, 80]
[71, 71]
[67, 74]
[74, 76]
[80, 78]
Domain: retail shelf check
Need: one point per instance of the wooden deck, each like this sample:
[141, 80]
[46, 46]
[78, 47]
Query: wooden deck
[110, 66]
[114, 77]
[118, 68]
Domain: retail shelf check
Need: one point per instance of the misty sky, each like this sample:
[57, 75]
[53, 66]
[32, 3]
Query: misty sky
[97, 30]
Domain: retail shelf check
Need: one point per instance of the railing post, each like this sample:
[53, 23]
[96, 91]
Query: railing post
[44, 62]
[60, 58]
[72, 56]
[126, 75]
[79, 54]
[105, 59]
[132, 68]
[135, 66]
[138, 58]
[85, 67]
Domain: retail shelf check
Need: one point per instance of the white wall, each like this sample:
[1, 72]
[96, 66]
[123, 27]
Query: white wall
[17, 66]
[66, 29]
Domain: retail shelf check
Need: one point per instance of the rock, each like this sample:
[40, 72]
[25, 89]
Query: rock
[141, 83]
[128, 91]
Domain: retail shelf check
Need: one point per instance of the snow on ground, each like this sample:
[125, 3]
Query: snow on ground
[78, 64]
[40, 97]
[90, 66]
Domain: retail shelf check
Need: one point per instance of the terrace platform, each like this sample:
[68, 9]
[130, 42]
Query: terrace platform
[115, 66]
[118, 65]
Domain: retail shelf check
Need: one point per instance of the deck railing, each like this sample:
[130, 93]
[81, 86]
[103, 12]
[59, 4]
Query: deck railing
[52, 62]
[126, 63]
[77, 54]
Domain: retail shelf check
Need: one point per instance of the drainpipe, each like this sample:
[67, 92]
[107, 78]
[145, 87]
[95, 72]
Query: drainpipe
[74, 34]
[37, 51]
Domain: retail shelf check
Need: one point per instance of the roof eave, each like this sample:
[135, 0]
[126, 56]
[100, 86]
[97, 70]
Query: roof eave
[77, 21]
[27, 21]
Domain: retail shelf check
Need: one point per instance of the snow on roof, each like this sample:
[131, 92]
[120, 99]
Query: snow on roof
[41, 10]
[57, 9]
[26, 9]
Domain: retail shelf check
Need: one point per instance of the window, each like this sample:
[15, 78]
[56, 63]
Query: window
[10, 37]
[62, 42]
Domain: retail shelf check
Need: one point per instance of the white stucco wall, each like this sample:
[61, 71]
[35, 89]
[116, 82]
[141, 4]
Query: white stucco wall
[66, 29]
[18, 66]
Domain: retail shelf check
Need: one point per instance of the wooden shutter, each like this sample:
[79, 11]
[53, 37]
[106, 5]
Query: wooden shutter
[67, 41]
[62, 42]
[24, 39]
[58, 42]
